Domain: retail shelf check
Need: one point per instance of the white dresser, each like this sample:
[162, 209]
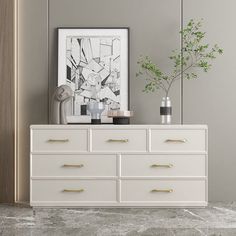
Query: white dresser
[118, 165]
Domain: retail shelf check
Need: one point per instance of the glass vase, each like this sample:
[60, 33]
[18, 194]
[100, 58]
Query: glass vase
[166, 110]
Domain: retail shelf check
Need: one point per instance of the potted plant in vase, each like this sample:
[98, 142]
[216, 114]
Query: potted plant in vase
[195, 53]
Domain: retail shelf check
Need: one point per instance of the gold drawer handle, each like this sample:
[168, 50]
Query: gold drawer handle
[118, 140]
[73, 190]
[164, 166]
[175, 141]
[73, 165]
[58, 140]
[162, 190]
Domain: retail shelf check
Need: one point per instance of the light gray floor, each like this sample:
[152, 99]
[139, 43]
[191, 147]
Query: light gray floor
[216, 219]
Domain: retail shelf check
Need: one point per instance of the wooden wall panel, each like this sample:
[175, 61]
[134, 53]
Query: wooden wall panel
[7, 101]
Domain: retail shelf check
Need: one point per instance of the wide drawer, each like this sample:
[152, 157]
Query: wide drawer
[59, 140]
[73, 190]
[163, 165]
[122, 140]
[178, 140]
[73, 165]
[162, 190]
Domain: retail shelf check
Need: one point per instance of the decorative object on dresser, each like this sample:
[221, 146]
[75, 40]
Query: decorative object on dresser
[61, 96]
[118, 166]
[96, 109]
[94, 62]
[120, 117]
[194, 54]
[166, 110]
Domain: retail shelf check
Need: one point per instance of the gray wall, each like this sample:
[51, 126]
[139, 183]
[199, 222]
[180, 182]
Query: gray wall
[154, 30]
[154, 26]
[32, 107]
[212, 98]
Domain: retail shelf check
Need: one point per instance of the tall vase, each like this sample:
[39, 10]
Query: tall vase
[166, 110]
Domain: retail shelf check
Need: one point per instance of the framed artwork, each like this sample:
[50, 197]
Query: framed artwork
[94, 62]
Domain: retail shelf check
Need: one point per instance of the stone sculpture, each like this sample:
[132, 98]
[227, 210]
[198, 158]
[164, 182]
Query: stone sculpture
[62, 95]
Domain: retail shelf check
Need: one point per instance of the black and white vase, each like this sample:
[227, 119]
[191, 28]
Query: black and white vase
[166, 110]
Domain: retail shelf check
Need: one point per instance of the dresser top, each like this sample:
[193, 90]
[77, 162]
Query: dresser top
[111, 126]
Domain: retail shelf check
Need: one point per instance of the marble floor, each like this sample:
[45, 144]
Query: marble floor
[217, 219]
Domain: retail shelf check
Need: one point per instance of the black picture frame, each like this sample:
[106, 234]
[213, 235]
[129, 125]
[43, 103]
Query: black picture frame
[64, 32]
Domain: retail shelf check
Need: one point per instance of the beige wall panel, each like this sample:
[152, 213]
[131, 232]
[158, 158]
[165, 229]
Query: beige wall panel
[32, 82]
[212, 98]
[154, 27]
[154, 31]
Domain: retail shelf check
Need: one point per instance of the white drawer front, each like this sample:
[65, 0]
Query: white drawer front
[59, 140]
[73, 165]
[73, 190]
[163, 165]
[162, 190]
[178, 140]
[121, 140]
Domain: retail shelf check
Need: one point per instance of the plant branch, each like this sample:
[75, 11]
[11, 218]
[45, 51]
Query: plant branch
[151, 79]
[195, 54]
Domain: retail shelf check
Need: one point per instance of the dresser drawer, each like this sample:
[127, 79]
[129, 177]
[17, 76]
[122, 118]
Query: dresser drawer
[178, 140]
[73, 165]
[163, 165]
[162, 190]
[59, 140]
[122, 140]
[73, 190]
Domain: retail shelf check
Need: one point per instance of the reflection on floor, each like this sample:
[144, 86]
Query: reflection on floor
[216, 219]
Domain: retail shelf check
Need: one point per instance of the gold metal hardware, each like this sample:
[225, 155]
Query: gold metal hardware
[73, 165]
[58, 140]
[162, 190]
[118, 140]
[164, 166]
[73, 190]
[175, 141]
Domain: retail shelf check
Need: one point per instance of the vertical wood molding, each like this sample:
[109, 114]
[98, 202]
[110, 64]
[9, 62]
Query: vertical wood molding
[48, 58]
[182, 75]
[7, 132]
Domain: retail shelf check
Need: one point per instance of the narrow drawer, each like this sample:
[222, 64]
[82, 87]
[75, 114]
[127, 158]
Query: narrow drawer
[162, 190]
[163, 165]
[73, 165]
[121, 140]
[178, 140]
[73, 190]
[59, 140]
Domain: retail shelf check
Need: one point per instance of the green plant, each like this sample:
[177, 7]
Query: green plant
[194, 54]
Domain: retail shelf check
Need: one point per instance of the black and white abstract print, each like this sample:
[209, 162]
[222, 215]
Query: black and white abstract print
[93, 70]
